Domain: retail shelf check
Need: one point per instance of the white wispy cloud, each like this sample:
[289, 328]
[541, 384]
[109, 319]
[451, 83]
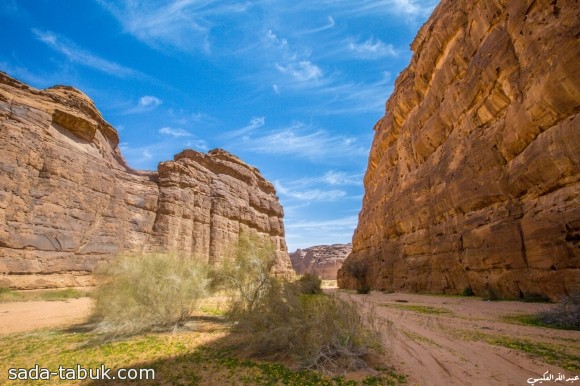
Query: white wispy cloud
[186, 118]
[148, 156]
[332, 178]
[353, 98]
[406, 8]
[182, 24]
[309, 195]
[302, 71]
[331, 23]
[78, 55]
[174, 132]
[24, 74]
[372, 49]
[197, 144]
[149, 101]
[144, 104]
[255, 123]
[303, 141]
[349, 222]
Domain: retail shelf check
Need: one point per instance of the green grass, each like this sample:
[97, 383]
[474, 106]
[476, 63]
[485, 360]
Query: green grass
[555, 354]
[63, 294]
[549, 353]
[532, 320]
[420, 338]
[8, 295]
[429, 310]
[183, 358]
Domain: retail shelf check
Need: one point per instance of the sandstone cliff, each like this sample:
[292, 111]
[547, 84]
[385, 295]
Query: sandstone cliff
[69, 200]
[473, 175]
[322, 260]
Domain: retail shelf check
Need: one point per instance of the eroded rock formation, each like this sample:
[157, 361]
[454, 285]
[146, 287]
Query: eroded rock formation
[322, 260]
[473, 175]
[69, 200]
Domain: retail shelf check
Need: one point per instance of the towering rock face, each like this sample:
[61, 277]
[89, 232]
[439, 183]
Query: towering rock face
[473, 175]
[69, 200]
[321, 260]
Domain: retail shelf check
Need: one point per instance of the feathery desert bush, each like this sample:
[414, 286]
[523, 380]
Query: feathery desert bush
[316, 330]
[246, 273]
[310, 284]
[565, 314]
[359, 270]
[147, 292]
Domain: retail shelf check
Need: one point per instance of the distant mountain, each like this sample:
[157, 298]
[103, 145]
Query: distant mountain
[323, 260]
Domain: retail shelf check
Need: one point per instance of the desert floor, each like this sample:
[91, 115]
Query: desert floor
[434, 340]
[447, 340]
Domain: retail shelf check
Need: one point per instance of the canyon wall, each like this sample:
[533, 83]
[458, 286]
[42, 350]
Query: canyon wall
[321, 260]
[68, 199]
[473, 175]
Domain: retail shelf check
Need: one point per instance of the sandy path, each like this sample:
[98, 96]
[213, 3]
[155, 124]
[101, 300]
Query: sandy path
[440, 349]
[32, 315]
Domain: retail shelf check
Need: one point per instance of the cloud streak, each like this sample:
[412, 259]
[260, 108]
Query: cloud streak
[182, 24]
[310, 195]
[176, 133]
[372, 49]
[78, 55]
[255, 123]
[302, 141]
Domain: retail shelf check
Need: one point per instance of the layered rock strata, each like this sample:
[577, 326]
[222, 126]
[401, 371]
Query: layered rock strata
[68, 199]
[321, 260]
[473, 175]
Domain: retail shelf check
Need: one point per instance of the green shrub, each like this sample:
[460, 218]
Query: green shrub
[62, 294]
[535, 298]
[491, 295]
[147, 292]
[467, 291]
[310, 284]
[565, 314]
[359, 270]
[9, 295]
[317, 331]
[246, 273]
[363, 290]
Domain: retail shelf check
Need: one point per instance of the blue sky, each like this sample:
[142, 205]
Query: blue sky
[293, 88]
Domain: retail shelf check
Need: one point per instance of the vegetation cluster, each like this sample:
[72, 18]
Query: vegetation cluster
[283, 319]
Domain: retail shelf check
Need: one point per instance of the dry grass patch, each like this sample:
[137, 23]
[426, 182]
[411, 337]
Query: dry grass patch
[141, 293]
[205, 356]
[8, 295]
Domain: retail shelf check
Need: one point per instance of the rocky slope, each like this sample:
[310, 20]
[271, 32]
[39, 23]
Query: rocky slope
[69, 200]
[473, 175]
[322, 260]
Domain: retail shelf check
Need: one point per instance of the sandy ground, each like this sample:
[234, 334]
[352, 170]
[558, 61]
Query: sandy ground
[432, 349]
[441, 349]
[32, 315]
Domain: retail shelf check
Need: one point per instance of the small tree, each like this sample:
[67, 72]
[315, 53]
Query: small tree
[317, 330]
[565, 314]
[147, 292]
[359, 270]
[247, 272]
[310, 284]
